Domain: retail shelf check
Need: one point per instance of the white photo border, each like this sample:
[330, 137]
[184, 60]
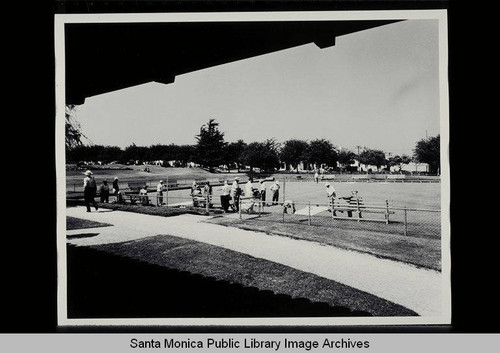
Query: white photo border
[59, 23]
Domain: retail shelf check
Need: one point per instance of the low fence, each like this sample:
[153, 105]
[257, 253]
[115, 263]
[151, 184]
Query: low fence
[374, 217]
[183, 183]
[379, 217]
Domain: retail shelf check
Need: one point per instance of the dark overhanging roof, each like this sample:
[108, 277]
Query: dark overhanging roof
[105, 57]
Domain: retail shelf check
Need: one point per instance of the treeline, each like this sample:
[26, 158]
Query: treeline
[107, 154]
[211, 151]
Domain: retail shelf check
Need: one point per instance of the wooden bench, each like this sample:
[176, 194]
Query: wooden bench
[134, 198]
[360, 177]
[401, 177]
[201, 183]
[171, 184]
[356, 205]
[135, 187]
[133, 195]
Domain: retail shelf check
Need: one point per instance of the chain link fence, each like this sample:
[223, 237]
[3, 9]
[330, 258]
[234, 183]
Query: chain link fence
[343, 214]
[369, 217]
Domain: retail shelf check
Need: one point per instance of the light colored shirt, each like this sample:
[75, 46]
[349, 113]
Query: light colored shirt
[262, 186]
[248, 189]
[89, 181]
[234, 187]
[159, 187]
[275, 187]
[226, 189]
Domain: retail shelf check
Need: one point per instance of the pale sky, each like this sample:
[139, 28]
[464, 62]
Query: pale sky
[376, 88]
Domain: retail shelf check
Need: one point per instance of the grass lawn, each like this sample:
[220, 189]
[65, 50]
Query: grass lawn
[419, 251]
[281, 283]
[423, 252]
[73, 223]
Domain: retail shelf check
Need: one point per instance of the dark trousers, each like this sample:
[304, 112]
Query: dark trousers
[224, 200]
[276, 195]
[105, 197]
[263, 197]
[89, 196]
[236, 203]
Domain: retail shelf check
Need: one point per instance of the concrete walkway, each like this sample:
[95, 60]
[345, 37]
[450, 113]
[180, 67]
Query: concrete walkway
[417, 289]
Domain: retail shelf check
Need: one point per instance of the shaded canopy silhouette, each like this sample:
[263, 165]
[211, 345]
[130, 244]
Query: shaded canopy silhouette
[104, 57]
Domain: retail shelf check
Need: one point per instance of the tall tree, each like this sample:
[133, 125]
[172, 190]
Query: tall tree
[234, 153]
[320, 152]
[428, 151]
[185, 154]
[270, 157]
[263, 155]
[373, 157]
[294, 152]
[346, 158]
[73, 133]
[398, 161]
[210, 147]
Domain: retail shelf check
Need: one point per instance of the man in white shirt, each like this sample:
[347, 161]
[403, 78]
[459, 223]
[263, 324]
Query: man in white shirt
[159, 193]
[143, 195]
[275, 188]
[225, 196]
[249, 188]
[331, 194]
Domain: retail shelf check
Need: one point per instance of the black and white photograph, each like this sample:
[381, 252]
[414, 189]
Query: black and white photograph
[253, 168]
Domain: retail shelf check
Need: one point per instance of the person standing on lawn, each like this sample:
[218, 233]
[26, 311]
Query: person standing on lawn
[104, 191]
[207, 192]
[225, 196]
[275, 188]
[159, 193]
[89, 190]
[262, 190]
[116, 190]
[249, 188]
[331, 194]
[235, 194]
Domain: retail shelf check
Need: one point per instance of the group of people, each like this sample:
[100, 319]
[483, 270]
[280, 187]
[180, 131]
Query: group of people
[234, 192]
[90, 191]
[229, 193]
[201, 194]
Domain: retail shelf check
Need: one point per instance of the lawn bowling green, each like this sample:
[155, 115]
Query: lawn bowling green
[412, 195]
[415, 206]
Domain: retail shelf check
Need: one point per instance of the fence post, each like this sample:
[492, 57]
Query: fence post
[166, 198]
[406, 222]
[357, 207]
[386, 211]
[309, 215]
[284, 189]
[283, 212]
[239, 207]
[207, 202]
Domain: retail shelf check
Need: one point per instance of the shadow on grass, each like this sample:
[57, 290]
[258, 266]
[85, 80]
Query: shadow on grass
[102, 285]
[81, 235]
